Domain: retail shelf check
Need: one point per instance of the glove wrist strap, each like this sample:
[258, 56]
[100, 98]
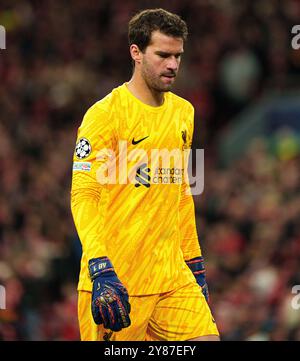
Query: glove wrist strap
[99, 266]
[196, 265]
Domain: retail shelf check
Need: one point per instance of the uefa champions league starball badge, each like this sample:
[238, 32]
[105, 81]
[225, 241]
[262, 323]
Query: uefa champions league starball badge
[83, 148]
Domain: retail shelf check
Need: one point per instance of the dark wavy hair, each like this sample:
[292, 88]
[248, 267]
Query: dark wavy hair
[142, 25]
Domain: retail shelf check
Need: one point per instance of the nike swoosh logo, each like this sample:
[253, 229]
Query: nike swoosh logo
[134, 142]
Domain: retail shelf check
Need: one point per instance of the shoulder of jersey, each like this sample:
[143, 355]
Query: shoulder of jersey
[181, 101]
[101, 109]
[106, 102]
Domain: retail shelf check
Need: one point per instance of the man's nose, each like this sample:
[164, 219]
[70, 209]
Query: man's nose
[172, 63]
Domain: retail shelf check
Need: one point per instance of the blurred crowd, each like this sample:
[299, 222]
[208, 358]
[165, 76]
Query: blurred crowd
[248, 218]
[60, 59]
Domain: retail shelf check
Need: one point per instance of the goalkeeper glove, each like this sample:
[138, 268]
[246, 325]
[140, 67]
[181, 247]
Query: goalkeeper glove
[196, 265]
[110, 304]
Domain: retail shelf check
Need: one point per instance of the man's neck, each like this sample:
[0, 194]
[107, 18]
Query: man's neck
[140, 90]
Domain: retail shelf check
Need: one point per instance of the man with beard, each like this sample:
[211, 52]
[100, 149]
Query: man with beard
[142, 272]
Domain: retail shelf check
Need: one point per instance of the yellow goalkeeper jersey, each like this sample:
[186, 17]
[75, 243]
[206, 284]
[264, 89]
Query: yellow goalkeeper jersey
[127, 202]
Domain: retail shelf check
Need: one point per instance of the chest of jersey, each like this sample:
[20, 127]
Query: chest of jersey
[149, 131]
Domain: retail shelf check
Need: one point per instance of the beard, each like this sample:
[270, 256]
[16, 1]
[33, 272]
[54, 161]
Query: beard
[155, 81]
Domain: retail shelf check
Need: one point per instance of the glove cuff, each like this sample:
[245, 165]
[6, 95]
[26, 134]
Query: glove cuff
[99, 266]
[196, 265]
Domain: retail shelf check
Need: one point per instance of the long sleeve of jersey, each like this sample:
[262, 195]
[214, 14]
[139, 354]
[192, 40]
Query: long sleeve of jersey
[189, 239]
[88, 196]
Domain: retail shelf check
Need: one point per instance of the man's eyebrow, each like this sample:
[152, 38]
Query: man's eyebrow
[164, 53]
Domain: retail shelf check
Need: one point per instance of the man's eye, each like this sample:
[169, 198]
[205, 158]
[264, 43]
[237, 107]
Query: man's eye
[165, 56]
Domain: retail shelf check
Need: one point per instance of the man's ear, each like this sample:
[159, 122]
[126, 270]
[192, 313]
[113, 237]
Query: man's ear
[136, 53]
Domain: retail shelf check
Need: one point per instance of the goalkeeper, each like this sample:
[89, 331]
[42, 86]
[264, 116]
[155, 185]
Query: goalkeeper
[142, 272]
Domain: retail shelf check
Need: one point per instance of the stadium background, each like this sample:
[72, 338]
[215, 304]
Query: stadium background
[242, 75]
